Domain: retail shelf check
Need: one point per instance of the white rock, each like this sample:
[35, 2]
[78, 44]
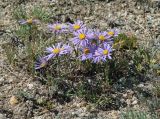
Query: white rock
[134, 98]
[125, 95]
[1, 79]
[128, 101]
[30, 85]
[2, 116]
[141, 85]
[38, 117]
[134, 102]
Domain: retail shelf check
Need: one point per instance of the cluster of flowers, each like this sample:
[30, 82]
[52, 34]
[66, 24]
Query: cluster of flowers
[91, 44]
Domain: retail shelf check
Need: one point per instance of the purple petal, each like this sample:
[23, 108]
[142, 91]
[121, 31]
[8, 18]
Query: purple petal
[49, 49]
[50, 56]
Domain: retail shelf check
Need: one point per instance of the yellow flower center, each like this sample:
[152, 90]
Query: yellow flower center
[105, 52]
[57, 27]
[82, 36]
[76, 27]
[56, 50]
[102, 38]
[86, 51]
[43, 64]
[111, 33]
[30, 21]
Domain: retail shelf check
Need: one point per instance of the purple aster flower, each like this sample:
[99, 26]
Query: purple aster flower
[102, 36]
[41, 62]
[101, 54]
[58, 50]
[81, 37]
[57, 28]
[87, 52]
[113, 33]
[92, 36]
[29, 21]
[76, 26]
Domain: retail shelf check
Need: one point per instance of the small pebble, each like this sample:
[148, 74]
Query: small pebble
[134, 102]
[13, 100]
[128, 101]
[1, 79]
[2, 116]
[30, 85]
[141, 85]
[125, 95]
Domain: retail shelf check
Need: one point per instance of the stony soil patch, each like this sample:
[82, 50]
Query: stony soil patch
[129, 16]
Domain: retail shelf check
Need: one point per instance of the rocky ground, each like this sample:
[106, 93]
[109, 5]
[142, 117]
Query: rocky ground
[141, 19]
